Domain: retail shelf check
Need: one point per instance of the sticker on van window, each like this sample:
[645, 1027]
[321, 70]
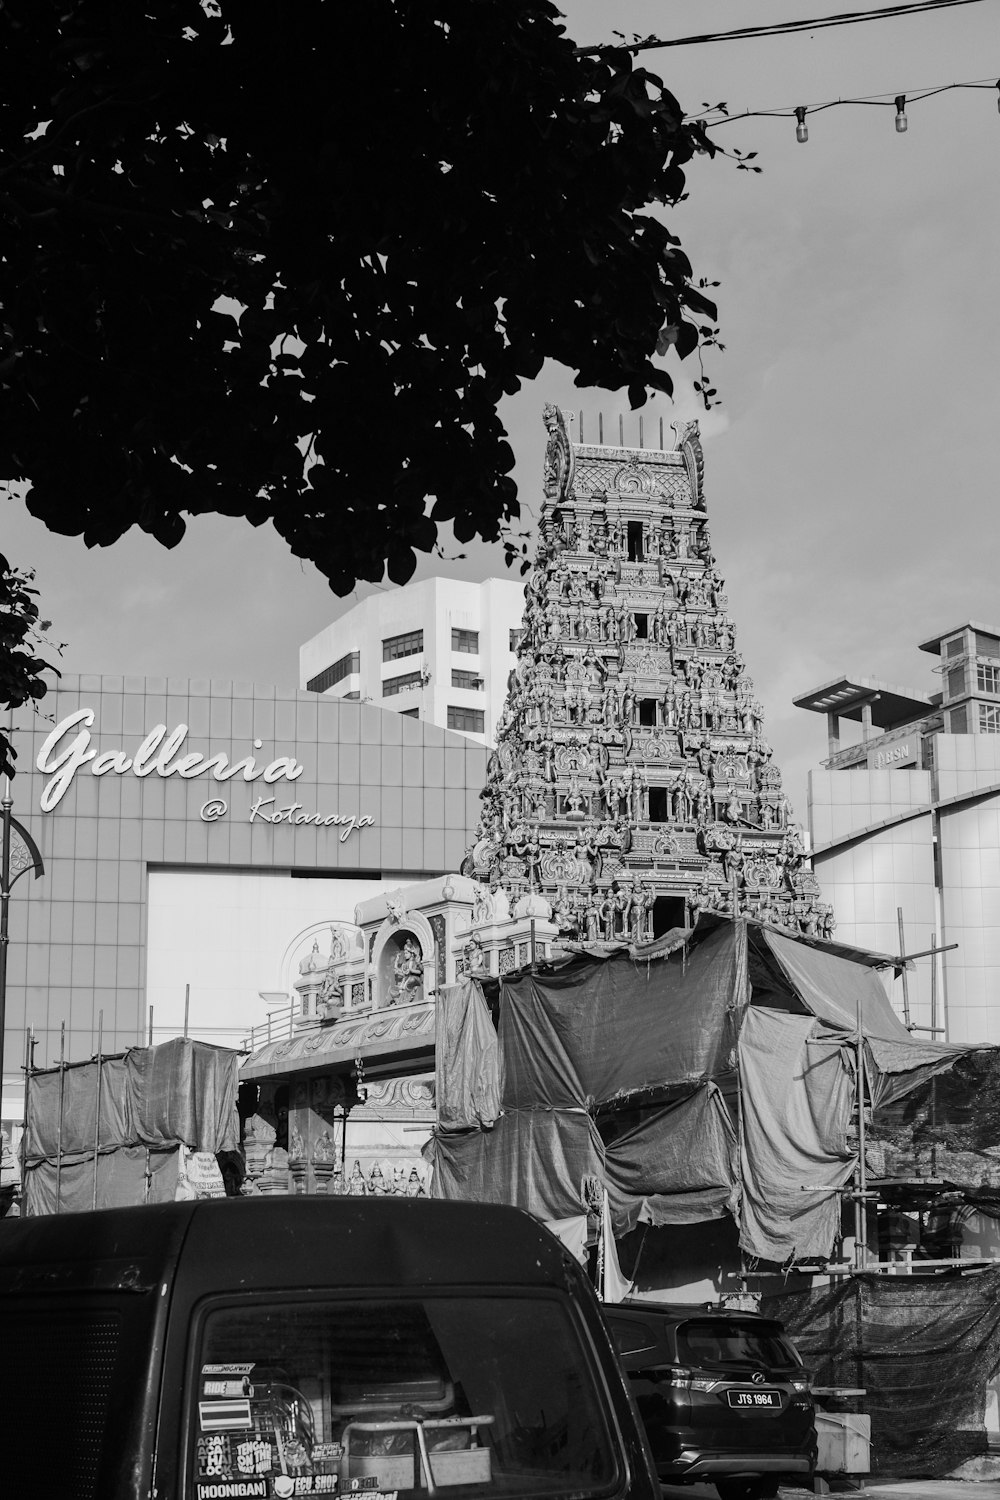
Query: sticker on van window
[327, 1452]
[227, 1387]
[254, 1456]
[232, 1489]
[215, 1457]
[215, 1415]
[286, 1486]
[226, 1369]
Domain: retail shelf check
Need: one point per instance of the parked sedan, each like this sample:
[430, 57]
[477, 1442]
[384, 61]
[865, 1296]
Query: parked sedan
[723, 1395]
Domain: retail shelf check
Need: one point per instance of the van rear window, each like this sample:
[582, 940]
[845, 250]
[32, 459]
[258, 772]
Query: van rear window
[490, 1396]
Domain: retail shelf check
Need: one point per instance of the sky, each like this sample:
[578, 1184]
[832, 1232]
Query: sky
[851, 469]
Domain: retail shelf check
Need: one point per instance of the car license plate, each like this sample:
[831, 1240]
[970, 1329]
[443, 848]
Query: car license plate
[754, 1400]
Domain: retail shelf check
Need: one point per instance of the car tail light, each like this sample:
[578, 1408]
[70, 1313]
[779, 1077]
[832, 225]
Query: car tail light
[800, 1385]
[686, 1380]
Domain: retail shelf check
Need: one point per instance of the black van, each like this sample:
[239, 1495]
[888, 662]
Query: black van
[277, 1347]
[723, 1396]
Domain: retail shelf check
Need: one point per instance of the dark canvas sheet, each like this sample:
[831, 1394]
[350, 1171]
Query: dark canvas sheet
[121, 1182]
[538, 1160]
[79, 1112]
[595, 1031]
[678, 1166]
[946, 1124]
[924, 1349]
[182, 1092]
[797, 1096]
[467, 1059]
[831, 987]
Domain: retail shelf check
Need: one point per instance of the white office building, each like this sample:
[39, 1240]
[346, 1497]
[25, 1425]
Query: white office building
[440, 650]
[906, 819]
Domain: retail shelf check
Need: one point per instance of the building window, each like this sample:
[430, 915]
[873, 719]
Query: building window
[989, 718]
[647, 711]
[471, 720]
[393, 685]
[958, 720]
[956, 682]
[409, 713]
[515, 639]
[987, 645]
[465, 640]
[642, 627]
[471, 681]
[987, 678]
[635, 549]
[345, 667]
[396, 646]
[955, 647]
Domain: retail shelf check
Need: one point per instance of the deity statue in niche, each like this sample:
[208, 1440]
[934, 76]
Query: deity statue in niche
[474, 957]
[407, 975]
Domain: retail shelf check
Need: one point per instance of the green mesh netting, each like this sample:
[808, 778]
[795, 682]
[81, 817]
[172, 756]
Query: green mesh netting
[924, 1349]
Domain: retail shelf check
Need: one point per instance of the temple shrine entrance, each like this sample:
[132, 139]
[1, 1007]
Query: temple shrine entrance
[668, 911]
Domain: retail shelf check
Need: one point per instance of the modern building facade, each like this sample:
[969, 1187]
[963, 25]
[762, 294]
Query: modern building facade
[440, 651]
[906, 818]
[198, 836]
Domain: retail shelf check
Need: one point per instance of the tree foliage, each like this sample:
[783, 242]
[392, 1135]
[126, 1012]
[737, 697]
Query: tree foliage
[283, 263]
[22, 635]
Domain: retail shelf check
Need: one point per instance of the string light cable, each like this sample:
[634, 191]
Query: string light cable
[717, 115]
[776, 28]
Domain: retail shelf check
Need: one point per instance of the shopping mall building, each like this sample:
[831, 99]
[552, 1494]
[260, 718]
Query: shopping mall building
[198, 837]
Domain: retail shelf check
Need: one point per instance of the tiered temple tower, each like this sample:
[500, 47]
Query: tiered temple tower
[631, 786]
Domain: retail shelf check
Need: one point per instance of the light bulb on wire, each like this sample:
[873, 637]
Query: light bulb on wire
[901, 120]
[801, 128]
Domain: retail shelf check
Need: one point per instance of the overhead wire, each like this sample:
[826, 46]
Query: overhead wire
[777, 28]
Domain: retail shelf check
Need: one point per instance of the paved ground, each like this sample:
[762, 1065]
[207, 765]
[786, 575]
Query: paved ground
[937, 1489]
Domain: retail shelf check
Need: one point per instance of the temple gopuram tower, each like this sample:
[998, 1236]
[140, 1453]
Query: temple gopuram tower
[631, 786]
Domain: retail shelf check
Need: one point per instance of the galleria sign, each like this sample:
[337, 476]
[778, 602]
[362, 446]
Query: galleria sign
[65, 753]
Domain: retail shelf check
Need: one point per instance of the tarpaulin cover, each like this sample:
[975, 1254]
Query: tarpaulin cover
[677, 1166]
[180, 1093]
[596, 1030]
[602, 1035]
[184, 1092]
[539, 1160]
[831, 987]
[947, 1125]
[121, 1182]
[79, 1112]
[924, 1350]
[797, 1102]
[467, 1059]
